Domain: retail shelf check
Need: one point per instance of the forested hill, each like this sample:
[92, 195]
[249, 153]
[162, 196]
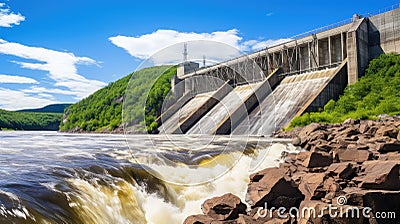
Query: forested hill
[102, 111]
[52, 108]
[28, 121]
[377, 92]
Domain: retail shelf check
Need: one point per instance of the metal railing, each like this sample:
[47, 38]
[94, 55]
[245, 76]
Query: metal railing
[308, 33]
[380, 11]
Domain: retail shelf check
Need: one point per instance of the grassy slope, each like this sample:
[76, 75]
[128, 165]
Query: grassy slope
[377, 92]
[10, 120]
[103, 109]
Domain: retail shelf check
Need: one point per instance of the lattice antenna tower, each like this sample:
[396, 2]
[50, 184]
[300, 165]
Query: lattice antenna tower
[185, 52]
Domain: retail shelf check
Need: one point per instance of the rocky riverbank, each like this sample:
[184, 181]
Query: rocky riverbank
[347, 173]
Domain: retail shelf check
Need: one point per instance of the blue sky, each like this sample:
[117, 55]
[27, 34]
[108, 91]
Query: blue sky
[61, 51]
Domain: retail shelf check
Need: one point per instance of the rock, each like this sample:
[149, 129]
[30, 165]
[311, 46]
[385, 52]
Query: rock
[269, 216]
[330, 185]
[372, 131]
[307, 130]
[309, 185]
[245, 219]
[349, 132]
[317, 135]
[391, 132]
[390, 156]
[225, 207]
[296, 141]
[314, 159]
[364, 127]
[279, 221]
[274, 187]
[378, 201]
[383, 175]
[349, 122]
[357, 147]
[343, 170]
[318, 212]
[388, 147]
[322, 148]
[384, 117]
[398, 136]
[198, 219]
[353, 155]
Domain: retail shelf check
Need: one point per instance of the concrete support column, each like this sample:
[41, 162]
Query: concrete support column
[309, 56]
[342, 46]
[357, 49]
[329, 51]
[316, 50]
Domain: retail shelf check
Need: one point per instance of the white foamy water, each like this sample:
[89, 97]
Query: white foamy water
[97, 178]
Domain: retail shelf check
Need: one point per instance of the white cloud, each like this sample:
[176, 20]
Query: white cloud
[17, 100]
[16, 79]
[61, 67]
[8, 18]
[39, 89]
[147, 45]
[45, 95]
[217, 46]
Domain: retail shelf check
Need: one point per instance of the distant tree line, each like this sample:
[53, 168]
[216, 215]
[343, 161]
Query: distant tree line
[29, 121]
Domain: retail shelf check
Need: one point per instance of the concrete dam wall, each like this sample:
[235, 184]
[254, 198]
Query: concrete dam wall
[262, 92]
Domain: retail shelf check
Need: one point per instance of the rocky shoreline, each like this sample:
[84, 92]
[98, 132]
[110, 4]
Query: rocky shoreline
[347, 173]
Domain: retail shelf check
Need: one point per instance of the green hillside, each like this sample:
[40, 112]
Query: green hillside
[377, 92]
[52, 108]
[103, 109]
[28, 121]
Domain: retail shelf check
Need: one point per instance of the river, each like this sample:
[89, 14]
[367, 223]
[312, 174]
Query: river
[50, 177]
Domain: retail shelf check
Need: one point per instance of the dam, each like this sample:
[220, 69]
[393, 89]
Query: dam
[261, 92]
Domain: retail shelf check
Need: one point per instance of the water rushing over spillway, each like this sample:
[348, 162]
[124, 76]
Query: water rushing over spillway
[208, 123]
[280, 107]
[194, 104]
[48, 177]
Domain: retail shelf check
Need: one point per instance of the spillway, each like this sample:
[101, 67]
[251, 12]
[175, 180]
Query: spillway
[280, 107]
[172, 124]
[234, 100]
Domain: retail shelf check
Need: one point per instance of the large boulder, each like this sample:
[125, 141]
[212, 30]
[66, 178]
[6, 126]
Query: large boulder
[314, 159]
[309, 185]
[274, 187]
[342, 170]
[307, 130]
[389, 131]
[353, 155]
[391, 146]
[383, 175]
[225, 207]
